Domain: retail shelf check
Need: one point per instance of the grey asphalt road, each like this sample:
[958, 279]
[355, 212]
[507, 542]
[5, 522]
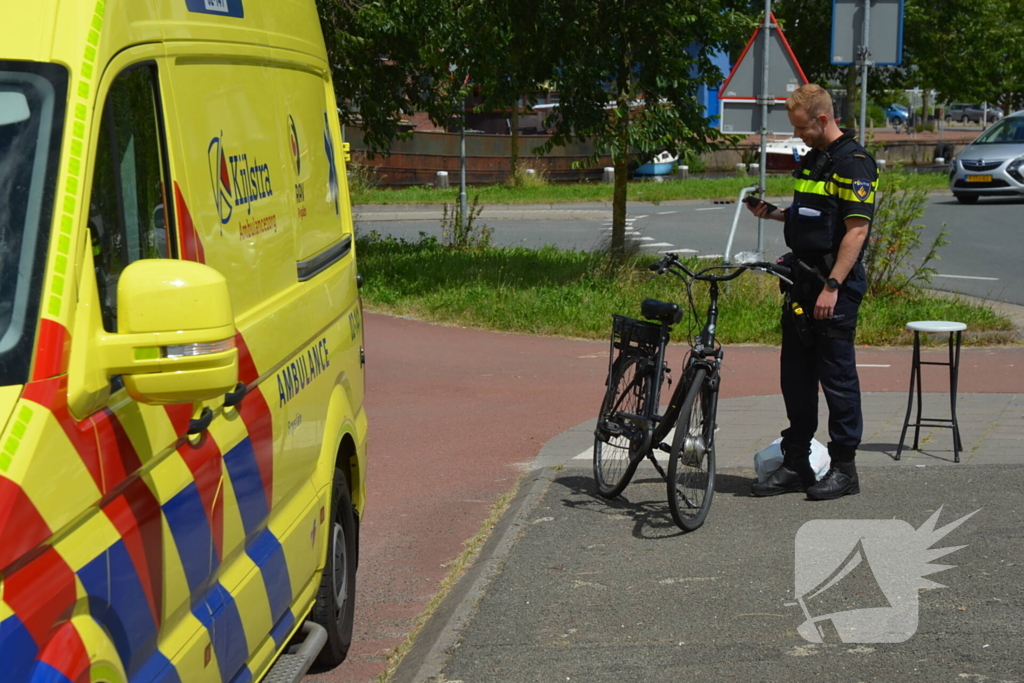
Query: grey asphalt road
[602, 590]
[573, 587]
[983, 259]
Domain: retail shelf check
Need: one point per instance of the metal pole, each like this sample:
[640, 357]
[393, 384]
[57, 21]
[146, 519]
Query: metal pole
[462, 172]
[766, 27]
[864, 53]
[735, 222]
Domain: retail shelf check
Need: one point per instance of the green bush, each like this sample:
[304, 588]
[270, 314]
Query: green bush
[877, 115]
[895, 236]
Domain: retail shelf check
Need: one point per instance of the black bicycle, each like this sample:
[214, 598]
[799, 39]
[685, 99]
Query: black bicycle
[629, 426]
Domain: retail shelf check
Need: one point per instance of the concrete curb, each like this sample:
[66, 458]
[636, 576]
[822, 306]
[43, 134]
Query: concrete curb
[428, 655]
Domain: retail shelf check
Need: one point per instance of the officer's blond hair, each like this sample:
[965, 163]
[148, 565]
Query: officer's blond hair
[812, 99]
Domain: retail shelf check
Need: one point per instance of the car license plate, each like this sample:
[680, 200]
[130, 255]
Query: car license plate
[979, 179]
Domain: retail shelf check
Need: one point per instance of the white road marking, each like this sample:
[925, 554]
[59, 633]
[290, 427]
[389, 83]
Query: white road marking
[966, 277]
[655, 245]
[646, 239]
[678, 251]
[636, 218]
[712, 208]
[710, 256]
[665, 213]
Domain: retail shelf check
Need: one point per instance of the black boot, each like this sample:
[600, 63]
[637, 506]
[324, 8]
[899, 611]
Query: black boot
[841, 479]
[782, 480]
[794, 476]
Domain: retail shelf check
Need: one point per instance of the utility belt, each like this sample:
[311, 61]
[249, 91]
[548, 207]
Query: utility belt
[807, 327]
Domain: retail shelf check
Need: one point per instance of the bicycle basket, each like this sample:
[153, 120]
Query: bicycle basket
[632, 333]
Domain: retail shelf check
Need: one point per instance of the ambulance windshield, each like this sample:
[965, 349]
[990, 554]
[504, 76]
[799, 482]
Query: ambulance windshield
[32, 104]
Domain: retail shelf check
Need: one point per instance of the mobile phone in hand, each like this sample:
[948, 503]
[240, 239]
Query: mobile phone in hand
[753, 201]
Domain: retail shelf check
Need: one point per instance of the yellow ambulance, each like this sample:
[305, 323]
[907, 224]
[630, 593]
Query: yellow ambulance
[183, 441]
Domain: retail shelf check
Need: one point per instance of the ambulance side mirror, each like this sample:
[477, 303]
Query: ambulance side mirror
[176, 333]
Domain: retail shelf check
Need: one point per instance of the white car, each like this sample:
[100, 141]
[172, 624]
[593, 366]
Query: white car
[992, 165]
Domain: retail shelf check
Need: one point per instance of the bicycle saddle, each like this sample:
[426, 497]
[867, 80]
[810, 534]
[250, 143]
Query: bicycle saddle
[662, 311]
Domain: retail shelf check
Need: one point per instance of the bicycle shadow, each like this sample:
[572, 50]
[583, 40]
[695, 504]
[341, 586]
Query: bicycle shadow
[643, 502]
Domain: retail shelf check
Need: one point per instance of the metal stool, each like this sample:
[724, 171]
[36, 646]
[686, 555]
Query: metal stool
[915, 377]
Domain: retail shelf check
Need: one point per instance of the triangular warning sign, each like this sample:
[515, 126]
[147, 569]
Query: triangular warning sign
[746, 79]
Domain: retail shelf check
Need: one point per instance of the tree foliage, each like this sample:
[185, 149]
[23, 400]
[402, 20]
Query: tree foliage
[966, 50]
[628, 73]
[392, 58]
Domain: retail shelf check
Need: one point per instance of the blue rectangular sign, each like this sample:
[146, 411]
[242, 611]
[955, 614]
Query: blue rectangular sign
[222, 8]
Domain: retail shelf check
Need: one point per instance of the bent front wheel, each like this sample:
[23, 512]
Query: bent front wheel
[691, 467]
[621, 425]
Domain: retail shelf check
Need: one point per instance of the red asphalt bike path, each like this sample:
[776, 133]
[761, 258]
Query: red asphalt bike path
[456, 415]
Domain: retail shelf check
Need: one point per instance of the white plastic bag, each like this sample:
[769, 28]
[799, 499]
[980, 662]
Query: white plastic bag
[770, 459]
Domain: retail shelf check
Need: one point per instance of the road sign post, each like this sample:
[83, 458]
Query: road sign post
[752, 93]
[873, 31]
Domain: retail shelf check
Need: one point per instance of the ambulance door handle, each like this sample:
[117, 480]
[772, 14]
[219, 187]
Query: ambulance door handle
[235, 397]
[201, 423]
[359, 280]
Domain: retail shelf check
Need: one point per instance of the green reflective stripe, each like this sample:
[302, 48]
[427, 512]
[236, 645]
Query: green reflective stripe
[858, 215]
[851, 196]
[811, 187]
[841, 179]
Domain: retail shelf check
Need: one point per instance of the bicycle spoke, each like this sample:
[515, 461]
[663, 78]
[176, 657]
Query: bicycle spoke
[621, 429]
[692, 462]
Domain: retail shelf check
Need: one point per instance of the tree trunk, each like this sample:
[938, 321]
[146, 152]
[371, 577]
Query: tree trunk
[514, 158]
[852, 97]
[620, 161]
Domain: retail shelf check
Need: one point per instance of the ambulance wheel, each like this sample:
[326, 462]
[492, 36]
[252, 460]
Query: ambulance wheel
[335, 602]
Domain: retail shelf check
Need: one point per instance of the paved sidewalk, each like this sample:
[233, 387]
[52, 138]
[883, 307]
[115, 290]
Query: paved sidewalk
[991, 431]
[573, 587]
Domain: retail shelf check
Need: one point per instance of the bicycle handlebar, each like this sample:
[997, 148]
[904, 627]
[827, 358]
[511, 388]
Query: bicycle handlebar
[671, 260]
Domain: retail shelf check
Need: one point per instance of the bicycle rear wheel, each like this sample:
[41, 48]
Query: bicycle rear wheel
[620, 426]
[691, 467]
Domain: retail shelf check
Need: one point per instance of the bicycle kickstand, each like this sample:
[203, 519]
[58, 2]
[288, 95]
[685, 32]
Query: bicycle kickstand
[654, 460]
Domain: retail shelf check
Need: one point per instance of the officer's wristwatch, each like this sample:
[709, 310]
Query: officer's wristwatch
[832, 283]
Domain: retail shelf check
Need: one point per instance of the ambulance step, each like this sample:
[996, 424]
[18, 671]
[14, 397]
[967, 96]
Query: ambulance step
[295, 662]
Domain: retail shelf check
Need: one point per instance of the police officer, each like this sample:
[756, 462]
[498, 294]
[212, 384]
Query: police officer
[825, 227]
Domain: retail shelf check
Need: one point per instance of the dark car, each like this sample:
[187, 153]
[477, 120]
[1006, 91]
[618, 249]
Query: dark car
[973, 113]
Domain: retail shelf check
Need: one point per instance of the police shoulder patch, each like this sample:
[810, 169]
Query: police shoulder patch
[862, 188]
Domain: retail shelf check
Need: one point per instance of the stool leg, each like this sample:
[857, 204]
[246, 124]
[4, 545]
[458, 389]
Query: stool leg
[954, 374]
[917, 367]
[910, 398]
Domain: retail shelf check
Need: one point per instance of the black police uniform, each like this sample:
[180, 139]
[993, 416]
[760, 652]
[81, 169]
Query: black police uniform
[832, 186]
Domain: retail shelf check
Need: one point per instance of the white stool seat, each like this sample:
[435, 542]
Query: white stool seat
[936, 326]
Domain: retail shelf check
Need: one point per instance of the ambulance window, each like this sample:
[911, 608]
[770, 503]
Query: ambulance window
[128, 213]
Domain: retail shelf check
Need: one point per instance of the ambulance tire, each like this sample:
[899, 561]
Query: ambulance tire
[335, 602]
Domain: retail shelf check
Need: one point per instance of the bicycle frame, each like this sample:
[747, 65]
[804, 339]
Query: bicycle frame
[702, 352]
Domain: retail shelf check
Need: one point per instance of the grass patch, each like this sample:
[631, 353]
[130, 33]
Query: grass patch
[456, 568]
[695, 188]
[568, 293]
